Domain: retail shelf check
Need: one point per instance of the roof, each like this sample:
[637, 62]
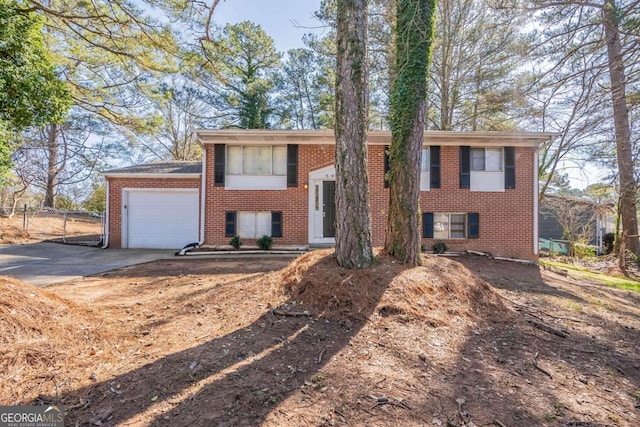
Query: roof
[326, 136]
[165, 169]
[578, 200]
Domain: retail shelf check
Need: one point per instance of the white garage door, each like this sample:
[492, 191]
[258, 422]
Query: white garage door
[161, 219]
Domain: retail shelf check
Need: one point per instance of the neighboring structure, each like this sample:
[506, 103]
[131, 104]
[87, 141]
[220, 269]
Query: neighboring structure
[479, 191]
[574, 219]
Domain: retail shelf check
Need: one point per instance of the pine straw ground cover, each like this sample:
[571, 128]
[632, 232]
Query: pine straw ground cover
[270, 342]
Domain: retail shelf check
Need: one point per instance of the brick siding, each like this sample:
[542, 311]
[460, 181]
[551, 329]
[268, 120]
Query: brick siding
[506, 218]
[116, 185]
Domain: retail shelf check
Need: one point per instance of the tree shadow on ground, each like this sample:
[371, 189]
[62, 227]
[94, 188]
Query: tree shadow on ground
[529, 276]
[531, 377]
[233, 380]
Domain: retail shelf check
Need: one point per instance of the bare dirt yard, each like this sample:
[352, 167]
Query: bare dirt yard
[465, 341]
[45, 225]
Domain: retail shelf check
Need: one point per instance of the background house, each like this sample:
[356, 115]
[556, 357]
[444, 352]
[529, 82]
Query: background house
[574, 219]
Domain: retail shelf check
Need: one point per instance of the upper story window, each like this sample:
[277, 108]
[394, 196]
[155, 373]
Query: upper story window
[255, 167]
[486, 159]
[257, 160]
[429, 168]
[491, 169]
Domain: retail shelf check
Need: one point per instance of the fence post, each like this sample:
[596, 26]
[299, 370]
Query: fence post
[24, 218]
[64, 227]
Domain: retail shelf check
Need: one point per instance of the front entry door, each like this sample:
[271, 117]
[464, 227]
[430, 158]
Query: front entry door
[328, 208]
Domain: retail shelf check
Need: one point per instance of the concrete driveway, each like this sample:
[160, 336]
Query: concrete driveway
[44, 263]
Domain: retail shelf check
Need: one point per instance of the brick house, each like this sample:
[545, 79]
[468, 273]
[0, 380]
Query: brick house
[478, 191]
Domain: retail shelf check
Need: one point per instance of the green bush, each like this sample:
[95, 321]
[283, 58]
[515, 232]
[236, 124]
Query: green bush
[583, 251]
[235, 242]
[439, 248]
[265, 242]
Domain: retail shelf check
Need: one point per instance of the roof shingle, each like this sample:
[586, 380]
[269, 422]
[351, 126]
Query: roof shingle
[176, 167]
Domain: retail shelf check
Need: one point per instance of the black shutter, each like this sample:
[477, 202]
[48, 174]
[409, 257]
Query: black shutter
[292, 165]
[276, 224]
[434, 156]
[230, 223]
[473, 224]
[218, 165]
[387, 166]
[427, 225]
[509, 167]
[465, 167]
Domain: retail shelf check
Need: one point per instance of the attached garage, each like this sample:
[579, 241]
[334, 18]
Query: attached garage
[159, 218]
[155, 206]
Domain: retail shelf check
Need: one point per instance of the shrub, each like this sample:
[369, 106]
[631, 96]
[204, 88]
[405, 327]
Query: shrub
[265, 242]
[583, 251]
[439, 248]
[235, 242]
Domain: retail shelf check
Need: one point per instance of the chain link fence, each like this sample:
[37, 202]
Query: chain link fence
[72, 227]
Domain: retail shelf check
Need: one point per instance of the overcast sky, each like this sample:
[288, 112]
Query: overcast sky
[281, 19]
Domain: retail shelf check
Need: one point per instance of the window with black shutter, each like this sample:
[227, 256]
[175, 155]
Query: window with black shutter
[509, 167]
[434, 180]
[218, 164]
[427, 225]
[230, 224]
[276, 224]
[465, 167]
[292, 165]
[473, 222]
[387, 166]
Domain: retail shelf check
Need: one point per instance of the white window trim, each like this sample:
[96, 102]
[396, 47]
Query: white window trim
[487, 181]
[425, 170]
[240, 182]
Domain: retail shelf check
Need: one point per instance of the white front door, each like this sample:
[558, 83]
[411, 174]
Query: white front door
[322, 206]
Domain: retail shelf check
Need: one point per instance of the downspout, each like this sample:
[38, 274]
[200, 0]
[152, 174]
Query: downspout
[203, 194]
[105, 242]
[536, 195]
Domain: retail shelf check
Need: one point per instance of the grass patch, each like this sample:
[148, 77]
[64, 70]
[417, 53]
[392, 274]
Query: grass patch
[606, 279]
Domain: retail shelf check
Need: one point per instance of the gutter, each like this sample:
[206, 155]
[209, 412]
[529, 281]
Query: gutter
[203, 195]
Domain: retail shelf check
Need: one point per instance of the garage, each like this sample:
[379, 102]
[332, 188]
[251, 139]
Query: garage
[154, 205]
[160, 218]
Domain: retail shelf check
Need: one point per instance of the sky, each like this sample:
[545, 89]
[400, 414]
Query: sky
[286, 21]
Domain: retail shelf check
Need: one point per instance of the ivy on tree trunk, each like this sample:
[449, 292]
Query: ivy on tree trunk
[414, 35]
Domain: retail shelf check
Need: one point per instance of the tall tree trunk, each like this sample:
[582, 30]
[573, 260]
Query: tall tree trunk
[52, 135]
[414, 34]
[628, 188]
[353, 222]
